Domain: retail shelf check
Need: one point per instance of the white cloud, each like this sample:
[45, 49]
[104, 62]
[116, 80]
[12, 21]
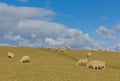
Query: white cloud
[33, 35]
[13, 12]
[105, 33]
[30, 27]
[73, 38]
[117, 47]
[117, 28]
[17, 39]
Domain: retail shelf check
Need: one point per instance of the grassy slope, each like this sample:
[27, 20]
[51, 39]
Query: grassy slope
[50, 65]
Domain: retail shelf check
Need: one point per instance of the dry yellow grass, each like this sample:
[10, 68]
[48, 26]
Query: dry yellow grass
[51, 65]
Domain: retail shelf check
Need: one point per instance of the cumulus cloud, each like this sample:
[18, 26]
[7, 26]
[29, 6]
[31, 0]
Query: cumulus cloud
[31, 26]
[11, 16]
[13, 12]
[28, 25]
[117, 28]
[117, 47]
[17, 39]
[112, 35]
[105, 33]
[73, 38]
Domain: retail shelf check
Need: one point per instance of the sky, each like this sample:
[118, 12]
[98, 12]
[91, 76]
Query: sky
[79, 24]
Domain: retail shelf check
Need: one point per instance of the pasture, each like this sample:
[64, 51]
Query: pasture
[51, 65]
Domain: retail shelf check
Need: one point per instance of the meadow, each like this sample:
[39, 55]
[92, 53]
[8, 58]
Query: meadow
[51, 65]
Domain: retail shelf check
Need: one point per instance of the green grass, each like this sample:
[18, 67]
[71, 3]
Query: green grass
[51, 65]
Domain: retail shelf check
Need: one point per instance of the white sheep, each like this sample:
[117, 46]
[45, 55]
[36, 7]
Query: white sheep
[56, 49]
[82, 62]
[89, 54]
[99, 65]
[10, 55]
[62, 49]
[106, 50]
[25, 59]
[90, 64]
[95, 50]
[96, 64]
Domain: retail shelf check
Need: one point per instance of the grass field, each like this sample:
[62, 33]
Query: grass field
[51, 65]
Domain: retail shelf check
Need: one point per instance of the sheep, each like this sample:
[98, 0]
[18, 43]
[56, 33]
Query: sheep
[56, 49]
[99, 65]
[89, 54]
[82, 62]
[25, 59]
[89, 64]
[96, 64]
[10, 55]
[106, 50]
[62, 49]
[95, 50]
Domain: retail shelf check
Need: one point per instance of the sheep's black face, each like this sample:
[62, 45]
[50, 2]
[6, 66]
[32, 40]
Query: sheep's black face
[9, 57]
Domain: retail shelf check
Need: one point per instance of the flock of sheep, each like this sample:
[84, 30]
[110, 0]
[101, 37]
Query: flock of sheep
[62, 49]
[24, 59]
[94, 64]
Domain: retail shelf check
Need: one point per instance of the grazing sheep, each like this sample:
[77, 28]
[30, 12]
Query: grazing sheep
[62, 49]
[95, 50]
[96, 64]
[106, 50]
[89, 54]
[99, 65]
[82, 62]
[89, 64]
[25, 59]
[56, 49]
[10, 55]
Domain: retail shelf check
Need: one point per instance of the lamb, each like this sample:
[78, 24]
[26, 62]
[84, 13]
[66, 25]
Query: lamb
[96, 64]
[10, 55]
[82, 62]
[25, 59]
[89, 54]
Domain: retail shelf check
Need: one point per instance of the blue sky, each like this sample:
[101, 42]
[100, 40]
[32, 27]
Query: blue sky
[82, 24]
